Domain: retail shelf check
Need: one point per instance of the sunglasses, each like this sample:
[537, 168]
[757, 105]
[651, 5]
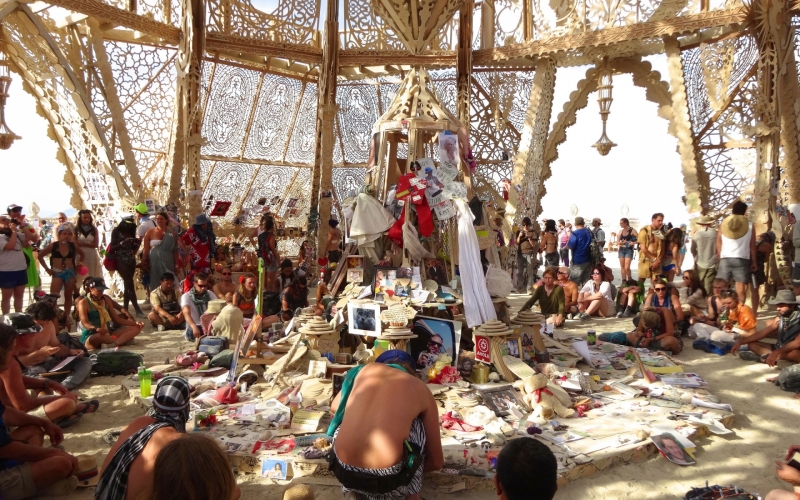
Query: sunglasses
[595, 274]
[660, 289]
[198, 285]
[226, 274]
[562, 272]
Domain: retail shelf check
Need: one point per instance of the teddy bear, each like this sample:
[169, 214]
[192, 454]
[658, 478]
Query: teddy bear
[541, 400]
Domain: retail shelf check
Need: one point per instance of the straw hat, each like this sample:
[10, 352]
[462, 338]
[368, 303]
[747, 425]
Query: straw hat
[706, 220]
[299, 492]
[215, 306]
[87, 472]
[734, 227]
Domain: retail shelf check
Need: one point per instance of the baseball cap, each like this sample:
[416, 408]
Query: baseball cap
[96, 283]
[13, 208]
[141, 208]
[22, 323]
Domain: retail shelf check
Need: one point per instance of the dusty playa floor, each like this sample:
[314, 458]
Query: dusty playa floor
[765, 425]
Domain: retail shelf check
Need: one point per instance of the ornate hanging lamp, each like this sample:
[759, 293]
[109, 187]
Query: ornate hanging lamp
[604, 98]
[6, 135]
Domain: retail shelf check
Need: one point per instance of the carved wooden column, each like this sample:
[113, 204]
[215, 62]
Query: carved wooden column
[487, 24]
[321, 179]
[788, 93]
[695, 177]
[464, 63]
[186, 158]
[529, 171]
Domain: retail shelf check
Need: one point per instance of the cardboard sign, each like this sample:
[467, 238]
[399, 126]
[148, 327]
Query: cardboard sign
[482, 349]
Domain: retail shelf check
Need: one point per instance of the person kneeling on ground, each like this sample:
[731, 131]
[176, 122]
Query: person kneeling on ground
[526, 470]
[550, 297]
[26, 468]
[165, 300]
[192, 467]
[786, 326]
[95, 320]
[655, 331]
[62, 407]
[380, 449]
[46, 352]
[128, 469]
[194, 304]
[789, 474]
[737, 320]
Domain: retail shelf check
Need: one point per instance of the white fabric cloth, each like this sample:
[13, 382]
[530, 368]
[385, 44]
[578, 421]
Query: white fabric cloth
[738, 248]
[91, 259]
[478, 306]
[704, 331]
[411, 243]
[370, 221]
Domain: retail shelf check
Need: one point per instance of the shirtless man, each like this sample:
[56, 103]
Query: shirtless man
[226, 286]
[650, 248]
[94, 328]
[61, 408]
[570, 291]
[655, 331]
[374, 434]
[715, 305]
[332, 244]
[46, 351]
[128, 469]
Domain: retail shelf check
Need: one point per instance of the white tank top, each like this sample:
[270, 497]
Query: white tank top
[738, 248]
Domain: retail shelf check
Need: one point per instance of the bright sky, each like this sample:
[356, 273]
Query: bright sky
[643, 171]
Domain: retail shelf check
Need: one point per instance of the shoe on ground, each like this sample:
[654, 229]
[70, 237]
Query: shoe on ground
[750, 356]
[112, 345]
[619, 314]
[627, 313]
[583, 316]
[160, 328]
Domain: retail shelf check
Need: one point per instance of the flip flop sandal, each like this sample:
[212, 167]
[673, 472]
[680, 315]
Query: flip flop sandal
[90, 407]
[69, 421]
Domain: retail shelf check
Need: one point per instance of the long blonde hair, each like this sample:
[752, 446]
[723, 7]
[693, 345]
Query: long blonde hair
[192, 467]
[242, 289]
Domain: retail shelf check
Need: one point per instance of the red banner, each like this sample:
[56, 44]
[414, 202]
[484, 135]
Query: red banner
[482, 349]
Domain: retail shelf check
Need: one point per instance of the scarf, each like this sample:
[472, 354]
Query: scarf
[537, 394]
[170, 409]
[86, 229]
[105, 318]
[347, 387]
[201, 302]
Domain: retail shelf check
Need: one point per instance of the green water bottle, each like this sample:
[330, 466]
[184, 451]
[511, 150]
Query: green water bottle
[145, 379]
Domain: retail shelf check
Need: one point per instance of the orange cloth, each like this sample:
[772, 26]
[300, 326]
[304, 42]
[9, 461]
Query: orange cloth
[743, 317]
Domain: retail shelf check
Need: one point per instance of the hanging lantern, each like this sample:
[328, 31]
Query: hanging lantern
[604, 99]
[6, 135]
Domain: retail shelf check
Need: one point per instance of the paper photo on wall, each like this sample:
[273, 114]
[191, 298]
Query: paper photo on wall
[364, 319]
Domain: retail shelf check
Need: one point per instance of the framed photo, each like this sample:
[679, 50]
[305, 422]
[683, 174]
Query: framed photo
[364, 319]
[501, 399]
[273, 468]
[385, 278]
[151, 205]
[435, 337]
[355, 262]
[435, 270]
[514, 347]
[380, 298]
[355, 276]
[220, 209]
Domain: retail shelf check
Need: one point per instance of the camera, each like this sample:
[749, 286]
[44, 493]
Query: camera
[15, 221]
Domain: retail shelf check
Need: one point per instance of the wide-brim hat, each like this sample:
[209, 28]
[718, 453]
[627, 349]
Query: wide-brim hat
[734, 227]
[87, 472]
[706, 220]
[200, 219]
[784, 297]
[215, 306]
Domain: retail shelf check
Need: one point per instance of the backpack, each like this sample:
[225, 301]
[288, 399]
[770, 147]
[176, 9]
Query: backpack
[594, 247]
[71, 342]
[116, 363]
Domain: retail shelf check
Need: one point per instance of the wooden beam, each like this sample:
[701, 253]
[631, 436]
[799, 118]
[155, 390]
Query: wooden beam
[235, 43]
[353, 57]
[119, 17]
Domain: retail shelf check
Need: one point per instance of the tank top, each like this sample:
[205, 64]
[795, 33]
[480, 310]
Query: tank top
[247, 306]
[738, 248]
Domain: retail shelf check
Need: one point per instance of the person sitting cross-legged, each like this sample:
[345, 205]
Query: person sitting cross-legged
[46, 351]
[130, 464]
[62, 407]
[786, 326]
[655, 331]
[735, 320]
[194, 304]
[95, 320]
[570, 291]
[165, 300]
[595, 297]
[550, 297]
[28, 469]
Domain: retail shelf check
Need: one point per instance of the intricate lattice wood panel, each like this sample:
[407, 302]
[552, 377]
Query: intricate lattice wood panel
[297, 216]
[293, 21]
[364, 30]
[346, 181]
[228, 182]
[272, 122]
[228, 110]
[358, 112]
[81, 147]
[270, 182]
[304, 133]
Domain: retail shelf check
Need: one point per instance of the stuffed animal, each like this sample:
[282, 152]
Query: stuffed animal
[541, 400]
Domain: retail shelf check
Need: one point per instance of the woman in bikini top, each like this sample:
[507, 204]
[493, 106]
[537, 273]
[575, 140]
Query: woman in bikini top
[63, 253]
